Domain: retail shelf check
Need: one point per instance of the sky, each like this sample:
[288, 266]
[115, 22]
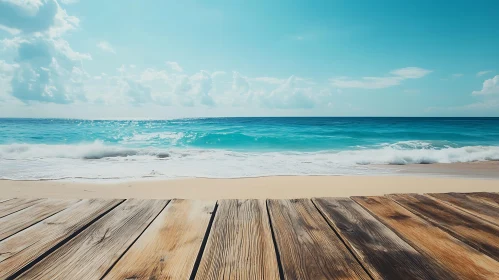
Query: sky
[161, 59]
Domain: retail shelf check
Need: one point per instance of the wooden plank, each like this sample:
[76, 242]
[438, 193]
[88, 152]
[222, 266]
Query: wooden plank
[464, 202]
[16, 204]
[381, 251]
[464, 261]
[92, 252]
[20, 220]
[169, 247]
[23, 248]
[473, 231]
[240, 243]
[308, 247]
[486, 197]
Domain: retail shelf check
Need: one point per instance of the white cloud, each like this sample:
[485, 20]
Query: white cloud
[217, 74]
[106, 46]
[457, 75]
[366, 82]
[410, 72]
[11, 31]
[12, 43]
[63, 47]
[289, 96]
[490, 86]
[151, 74]
[174, 66]
[269, 80]
[6, 68]
[62, 23]
[46, 74]
[68, 2]
[397, 76]
[481, 73]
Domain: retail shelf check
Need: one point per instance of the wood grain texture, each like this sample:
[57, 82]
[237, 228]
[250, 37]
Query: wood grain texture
[92, 252]
[308, 247]
[464, 202]
[24, 247]
[382, 252]
[22, 219]
[464, 261]
[169, 247]
[240, 243]
[469, 229]
[486, 197]
[13, 205]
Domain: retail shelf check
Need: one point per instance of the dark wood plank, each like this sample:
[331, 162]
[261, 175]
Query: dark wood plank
[464, 261]
[469, 229]
[92, 252]
[384, 254]
[169, 247]
[23, 248]
[308, 247]
[240, 243]
[486, 197]
[22, 219]
[13, 205]
[482, 210]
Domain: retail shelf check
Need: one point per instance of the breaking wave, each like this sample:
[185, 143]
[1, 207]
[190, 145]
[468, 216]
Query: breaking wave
[98, 160]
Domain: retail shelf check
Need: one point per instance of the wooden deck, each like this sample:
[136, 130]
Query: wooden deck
[403, 236]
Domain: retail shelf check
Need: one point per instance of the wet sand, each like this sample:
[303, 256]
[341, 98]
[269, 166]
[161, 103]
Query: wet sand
[429, 178]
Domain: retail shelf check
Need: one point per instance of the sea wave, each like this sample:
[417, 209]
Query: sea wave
[95, 150]
[402, 152]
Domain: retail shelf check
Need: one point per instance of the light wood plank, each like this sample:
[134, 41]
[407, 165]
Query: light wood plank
[308, 247]
[240, 243]
[20, 220]
[382, 252]
[13, 205]
[24, 247]
[92, 252]
[169, 247]
[461, 259]
[473, 231]
[480, 209]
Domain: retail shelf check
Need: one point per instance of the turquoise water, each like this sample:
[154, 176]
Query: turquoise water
[236, 147]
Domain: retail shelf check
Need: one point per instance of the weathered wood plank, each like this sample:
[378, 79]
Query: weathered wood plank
[169, 247]
[464, 202]
[23, 248]
[382, 252]
[486, 197]
[13, 205]
[22, 219]
[308, 247]
[240, 243]
[93, 251]
[469, 229]
[464, 261]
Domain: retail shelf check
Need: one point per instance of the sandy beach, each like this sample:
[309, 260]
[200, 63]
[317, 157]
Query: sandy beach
[263, 187]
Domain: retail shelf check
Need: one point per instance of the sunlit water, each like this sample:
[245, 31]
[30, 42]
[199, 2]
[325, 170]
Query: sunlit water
[236, 147]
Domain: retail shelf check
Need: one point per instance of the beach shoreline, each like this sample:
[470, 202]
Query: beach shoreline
[273, 187]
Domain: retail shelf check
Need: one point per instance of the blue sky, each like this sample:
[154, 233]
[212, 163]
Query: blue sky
[169, 59]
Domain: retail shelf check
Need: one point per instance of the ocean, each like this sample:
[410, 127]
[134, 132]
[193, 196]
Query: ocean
[70, 149]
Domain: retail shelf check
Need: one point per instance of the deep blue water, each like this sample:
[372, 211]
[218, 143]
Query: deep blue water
[235, 147]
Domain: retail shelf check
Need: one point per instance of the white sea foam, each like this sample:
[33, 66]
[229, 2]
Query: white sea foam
[99, 161]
